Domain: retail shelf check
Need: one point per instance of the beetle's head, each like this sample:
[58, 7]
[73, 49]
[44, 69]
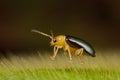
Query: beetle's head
[58, 40]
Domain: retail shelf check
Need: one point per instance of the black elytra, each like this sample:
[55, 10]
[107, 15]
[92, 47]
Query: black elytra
[79, 43]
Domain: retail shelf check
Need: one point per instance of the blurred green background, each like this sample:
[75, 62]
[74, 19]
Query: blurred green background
[96, 21]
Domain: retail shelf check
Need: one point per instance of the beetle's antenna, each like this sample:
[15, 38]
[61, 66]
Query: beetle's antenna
[51, 33]
[34, 30]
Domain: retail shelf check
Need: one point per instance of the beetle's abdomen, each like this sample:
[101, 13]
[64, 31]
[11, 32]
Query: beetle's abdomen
[79, 43]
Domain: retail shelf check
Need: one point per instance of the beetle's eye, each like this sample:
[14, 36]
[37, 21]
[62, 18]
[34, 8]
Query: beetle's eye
[54, 40]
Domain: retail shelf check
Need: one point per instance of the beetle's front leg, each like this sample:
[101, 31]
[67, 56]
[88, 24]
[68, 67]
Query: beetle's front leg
[54, 53]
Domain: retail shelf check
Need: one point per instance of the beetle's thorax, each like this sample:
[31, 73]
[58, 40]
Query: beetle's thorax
[58, 41]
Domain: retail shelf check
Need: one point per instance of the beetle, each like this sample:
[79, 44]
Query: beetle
[69, 44]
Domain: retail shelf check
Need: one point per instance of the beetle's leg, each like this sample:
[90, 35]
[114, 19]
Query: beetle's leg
[64, 49]
[69, 54]
[55, 53]
[79, 52]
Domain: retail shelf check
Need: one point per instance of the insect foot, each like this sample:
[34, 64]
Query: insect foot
[52, 57]
[70, 61]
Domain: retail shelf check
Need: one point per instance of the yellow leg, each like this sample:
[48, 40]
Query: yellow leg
[69, 55]
[79, 52]
[55, 53]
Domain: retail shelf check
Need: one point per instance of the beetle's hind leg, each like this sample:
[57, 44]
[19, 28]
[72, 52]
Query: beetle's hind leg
[79, 53]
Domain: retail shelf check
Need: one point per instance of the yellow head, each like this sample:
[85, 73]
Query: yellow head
[58, 40]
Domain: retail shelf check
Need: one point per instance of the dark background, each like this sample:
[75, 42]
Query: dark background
[96, 21]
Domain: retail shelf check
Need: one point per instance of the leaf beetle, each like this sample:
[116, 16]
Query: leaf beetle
[69, 44]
